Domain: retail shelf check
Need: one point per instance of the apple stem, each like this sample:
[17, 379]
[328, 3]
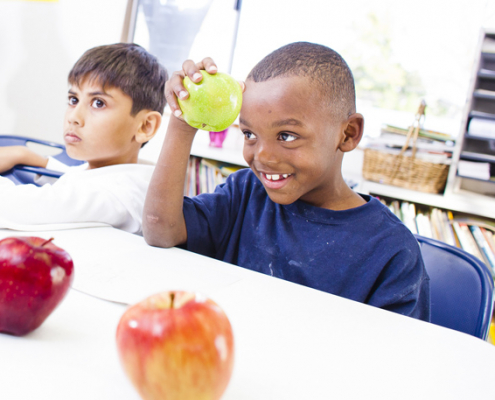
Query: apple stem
[46, 242]
[172, 297]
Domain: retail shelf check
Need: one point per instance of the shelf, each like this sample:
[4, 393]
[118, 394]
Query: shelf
[231, 152]
[482, 138]
[488, 55]
[463, 201]
[479, 114]
[477, 179]
[467, 155]
[484, 94]
[486, 73]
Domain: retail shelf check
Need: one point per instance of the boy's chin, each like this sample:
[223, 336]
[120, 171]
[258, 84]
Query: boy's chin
[72, 154]
[282, 200]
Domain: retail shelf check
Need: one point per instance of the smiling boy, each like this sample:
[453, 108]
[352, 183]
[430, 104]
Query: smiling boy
[115, 105]
[291, 215]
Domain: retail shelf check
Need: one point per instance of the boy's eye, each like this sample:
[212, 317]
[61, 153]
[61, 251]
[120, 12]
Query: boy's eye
[248, 135]
[97, 103]
[287, 137]
[72, 100]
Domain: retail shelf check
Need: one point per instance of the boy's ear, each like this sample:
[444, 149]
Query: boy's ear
[150, 122]
[353, 132]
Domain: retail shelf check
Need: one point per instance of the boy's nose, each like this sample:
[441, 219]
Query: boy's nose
[265, 153]
[75, 115]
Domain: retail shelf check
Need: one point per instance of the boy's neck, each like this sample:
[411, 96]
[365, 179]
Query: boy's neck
[127, 159]
[342, 197]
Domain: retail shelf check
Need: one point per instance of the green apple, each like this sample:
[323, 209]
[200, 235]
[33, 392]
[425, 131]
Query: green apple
[213, 104]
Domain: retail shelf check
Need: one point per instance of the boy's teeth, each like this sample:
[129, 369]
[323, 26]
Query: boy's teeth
[276, 177]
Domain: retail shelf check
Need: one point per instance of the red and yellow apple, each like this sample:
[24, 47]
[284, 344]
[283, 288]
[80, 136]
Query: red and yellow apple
[35, 276]
[213, 104]
[176, 346]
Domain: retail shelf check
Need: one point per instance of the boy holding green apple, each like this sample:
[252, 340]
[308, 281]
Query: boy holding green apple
[291, 215]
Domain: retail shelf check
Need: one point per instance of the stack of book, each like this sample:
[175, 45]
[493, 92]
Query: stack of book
[476, 236]
[203, 175]
[431, 146]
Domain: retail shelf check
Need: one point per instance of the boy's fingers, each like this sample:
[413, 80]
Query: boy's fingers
[192, 71]
[208, 65]
[174, 88]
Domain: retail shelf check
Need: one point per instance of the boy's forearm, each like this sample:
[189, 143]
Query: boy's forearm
[163, 219]
[14, 155]
[33, 159]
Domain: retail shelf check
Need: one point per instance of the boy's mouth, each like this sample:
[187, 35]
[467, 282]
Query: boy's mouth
[71, 138]
[275, 181]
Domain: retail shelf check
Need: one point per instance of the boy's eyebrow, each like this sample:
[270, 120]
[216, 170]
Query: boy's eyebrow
[243, 122]
[288, 121]
[277, 124]
[98, 93]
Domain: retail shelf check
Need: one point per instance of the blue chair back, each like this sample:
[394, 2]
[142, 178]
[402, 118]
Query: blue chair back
[24, 174]
[461, 288]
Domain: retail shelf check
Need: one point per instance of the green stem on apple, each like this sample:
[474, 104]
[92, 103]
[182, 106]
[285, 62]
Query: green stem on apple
[46, 242]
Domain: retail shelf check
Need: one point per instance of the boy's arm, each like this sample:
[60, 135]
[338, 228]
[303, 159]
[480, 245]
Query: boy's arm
[13, 155]
[163, 219]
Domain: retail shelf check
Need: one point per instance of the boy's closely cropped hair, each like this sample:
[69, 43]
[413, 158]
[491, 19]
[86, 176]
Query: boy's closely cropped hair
[115, 104]
[290, 215]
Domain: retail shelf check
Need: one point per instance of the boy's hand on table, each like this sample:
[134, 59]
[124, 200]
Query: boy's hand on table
[174, 88]
[11, 156]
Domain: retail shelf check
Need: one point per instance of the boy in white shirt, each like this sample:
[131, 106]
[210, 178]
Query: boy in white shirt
[115, 105]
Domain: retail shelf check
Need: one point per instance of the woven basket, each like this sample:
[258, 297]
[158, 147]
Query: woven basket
[404, 170]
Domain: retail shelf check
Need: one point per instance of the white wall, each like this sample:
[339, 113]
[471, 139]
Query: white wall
[39, 43]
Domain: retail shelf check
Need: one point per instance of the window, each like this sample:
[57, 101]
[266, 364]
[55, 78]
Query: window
[399, 54]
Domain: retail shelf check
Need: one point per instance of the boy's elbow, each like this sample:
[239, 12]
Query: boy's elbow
[157, 235]
[155, 241]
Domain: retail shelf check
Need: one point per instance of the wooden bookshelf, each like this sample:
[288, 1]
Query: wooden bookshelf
[480, 107]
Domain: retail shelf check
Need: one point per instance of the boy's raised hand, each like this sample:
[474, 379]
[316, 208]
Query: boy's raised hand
[174, 88]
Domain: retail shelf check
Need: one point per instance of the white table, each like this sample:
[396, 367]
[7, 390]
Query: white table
[291, 342]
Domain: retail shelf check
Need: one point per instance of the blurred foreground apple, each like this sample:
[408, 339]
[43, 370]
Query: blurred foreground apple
[213, 104]
[176, 346]
[34, 278]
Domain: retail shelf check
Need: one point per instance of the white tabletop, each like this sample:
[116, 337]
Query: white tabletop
[291, 342]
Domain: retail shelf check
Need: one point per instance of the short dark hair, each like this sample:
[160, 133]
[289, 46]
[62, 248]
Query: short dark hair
[321, 64]
[128, 67]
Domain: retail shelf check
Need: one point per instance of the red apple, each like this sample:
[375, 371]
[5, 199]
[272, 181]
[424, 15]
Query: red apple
[177, 345]
[34, 278]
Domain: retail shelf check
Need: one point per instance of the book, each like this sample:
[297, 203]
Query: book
[467, 240]
[424, 225]
[449, 236]
[482, 223]
[450, 216]
[484, 247]
[408, 216]
[474, 169]
[398, 141]
[490, 238]
[443, 137]
[481, 127]
[437, 228]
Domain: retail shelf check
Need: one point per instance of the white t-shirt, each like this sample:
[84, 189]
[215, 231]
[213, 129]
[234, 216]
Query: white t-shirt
[111, 195]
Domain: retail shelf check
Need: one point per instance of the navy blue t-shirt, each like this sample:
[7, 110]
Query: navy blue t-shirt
[364, 254]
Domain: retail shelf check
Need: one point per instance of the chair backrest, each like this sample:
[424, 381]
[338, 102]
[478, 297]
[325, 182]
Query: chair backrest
[461, 288]
[23, 174]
